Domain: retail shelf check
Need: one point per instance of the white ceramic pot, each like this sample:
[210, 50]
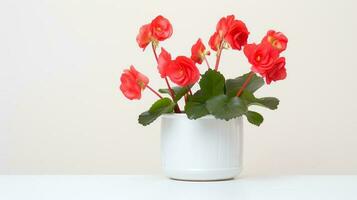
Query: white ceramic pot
[205, 149]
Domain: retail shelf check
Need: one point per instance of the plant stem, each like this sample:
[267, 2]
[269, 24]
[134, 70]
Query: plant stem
[172, 94]
[207, 63]
[245, 83]
[167, 81]
[155, 54]
[219, 53]
[177, 108]
[152, 90]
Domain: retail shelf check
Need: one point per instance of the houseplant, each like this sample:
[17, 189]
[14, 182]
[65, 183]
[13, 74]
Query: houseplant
[203, 139]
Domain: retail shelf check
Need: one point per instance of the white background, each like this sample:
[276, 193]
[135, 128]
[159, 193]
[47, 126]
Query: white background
[60, 62]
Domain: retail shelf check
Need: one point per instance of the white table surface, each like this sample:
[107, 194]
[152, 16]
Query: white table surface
[140, 187]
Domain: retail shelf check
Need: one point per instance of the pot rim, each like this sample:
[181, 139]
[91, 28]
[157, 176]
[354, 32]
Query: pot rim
[180, 115]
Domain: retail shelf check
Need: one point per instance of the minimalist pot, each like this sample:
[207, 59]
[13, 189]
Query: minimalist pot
[205, 149]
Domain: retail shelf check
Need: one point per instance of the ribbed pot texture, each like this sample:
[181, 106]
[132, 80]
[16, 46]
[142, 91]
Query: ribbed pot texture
[205, 149]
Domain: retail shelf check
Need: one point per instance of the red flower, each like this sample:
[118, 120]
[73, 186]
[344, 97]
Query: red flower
[215, 41]
[233, 31]
[158, 30]
[262, 57]
[237, 35]
[224, 25]
[277, 72]
[164, 62]
[277, 39]
[132, 82]
[161, 28]
[145, 36]
[198, 52]
[183, 71]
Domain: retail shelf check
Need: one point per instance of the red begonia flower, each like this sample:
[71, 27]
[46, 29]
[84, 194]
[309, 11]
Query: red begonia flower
[224, 25]
[262, 57]
[145, 36]
[198, 52]
[233, 31]
[164, 62]
[161, 28]
[277, 72]
[237, 35]
[132, 82]
[277, 39]
[183, 71]
[215, 41]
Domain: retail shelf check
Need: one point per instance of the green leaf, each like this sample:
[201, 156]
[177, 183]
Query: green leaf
[178, 91]
[195, 110]
[161, 106]
[233, 85]
[267, 102]
[224, 107]
[196, 106]
[212, 83]
[254, 118]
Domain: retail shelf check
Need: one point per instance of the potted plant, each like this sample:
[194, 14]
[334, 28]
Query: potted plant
[202, 140]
